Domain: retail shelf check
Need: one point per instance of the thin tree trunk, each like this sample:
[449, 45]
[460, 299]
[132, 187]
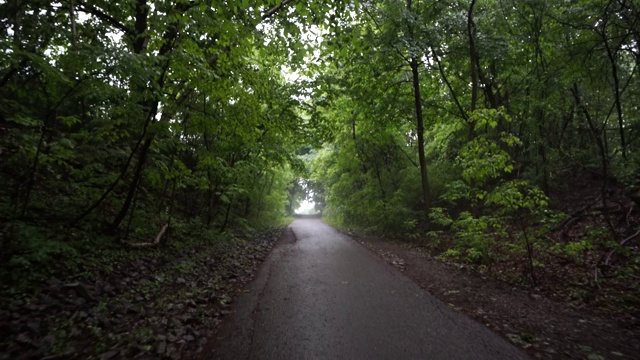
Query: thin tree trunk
[463, 113]
[603, 157]
[611, 55]
[422, 160]
[617, 96]
[262, 192]
[34, 169]
[113, 185]
[72, 19]
[419, 117]
[163, 240]
[473, 55]
[131, 213]
[226, 218]
[134, 184]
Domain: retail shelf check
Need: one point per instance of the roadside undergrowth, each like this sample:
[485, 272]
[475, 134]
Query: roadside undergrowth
[121, 302]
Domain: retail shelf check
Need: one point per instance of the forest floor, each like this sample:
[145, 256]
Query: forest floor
[545, 328]
[162, 303]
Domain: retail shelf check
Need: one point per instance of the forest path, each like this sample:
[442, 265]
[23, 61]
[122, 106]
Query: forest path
[320, 295]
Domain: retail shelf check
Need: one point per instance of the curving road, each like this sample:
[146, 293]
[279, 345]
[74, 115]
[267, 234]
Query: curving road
[320, 295]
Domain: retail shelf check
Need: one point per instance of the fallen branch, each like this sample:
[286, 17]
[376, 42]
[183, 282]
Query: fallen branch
[80, 290]
[576, 215]
[602, 209]
[150, 244]
[622, 243]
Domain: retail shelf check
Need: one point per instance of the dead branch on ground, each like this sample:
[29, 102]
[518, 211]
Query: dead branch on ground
[155, 242]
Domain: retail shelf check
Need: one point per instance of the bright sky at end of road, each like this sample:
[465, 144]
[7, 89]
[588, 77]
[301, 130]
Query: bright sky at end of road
[307, 207]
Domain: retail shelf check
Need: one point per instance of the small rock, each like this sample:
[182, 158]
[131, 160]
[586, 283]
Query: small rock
[24, 339]
[77, 301]
[54, 284]
[48, 341]
[108, 289]
[34, 326]
[109, 355]
[48, 301]
[74, 331]
[32, 307]
[162, 348]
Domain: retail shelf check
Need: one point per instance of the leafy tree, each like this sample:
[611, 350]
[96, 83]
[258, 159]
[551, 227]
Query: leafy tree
[130, 120]
[514, 99]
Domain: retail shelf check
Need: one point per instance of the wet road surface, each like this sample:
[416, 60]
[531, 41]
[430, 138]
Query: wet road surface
[323, 296]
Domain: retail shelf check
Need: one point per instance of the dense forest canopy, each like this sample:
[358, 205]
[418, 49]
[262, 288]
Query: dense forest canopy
[480, 126]
[124, 118]
[143, 120]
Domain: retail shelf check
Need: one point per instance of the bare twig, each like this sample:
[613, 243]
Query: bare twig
[90, 9]
[150, 244]
[272, 11]
[622, 243]
[576, 215]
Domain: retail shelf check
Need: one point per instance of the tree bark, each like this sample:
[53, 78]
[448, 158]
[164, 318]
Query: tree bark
[422, 160]
[420, 129]
[473, 56]
[134, 184]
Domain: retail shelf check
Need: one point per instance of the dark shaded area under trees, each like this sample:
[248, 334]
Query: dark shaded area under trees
[501, 134]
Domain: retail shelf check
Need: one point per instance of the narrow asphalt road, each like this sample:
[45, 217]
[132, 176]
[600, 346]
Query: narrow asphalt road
[321, 295]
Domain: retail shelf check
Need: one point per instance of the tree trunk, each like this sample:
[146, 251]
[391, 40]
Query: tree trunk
[420, 128]
[134, 184]
[473, 55]
[226, 218]
[422, 160]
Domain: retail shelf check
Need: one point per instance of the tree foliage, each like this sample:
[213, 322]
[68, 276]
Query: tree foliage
[127, 119]
[411, 117]
[516, 98]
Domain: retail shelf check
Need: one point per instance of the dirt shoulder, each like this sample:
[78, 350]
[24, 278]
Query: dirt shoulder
[545, 328]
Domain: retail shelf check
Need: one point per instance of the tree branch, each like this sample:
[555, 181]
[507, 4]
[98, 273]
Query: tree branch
[155, 242]
[90, 9]
[272, 11]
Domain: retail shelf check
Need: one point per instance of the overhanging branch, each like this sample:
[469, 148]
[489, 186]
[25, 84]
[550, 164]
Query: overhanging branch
[90, 9]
